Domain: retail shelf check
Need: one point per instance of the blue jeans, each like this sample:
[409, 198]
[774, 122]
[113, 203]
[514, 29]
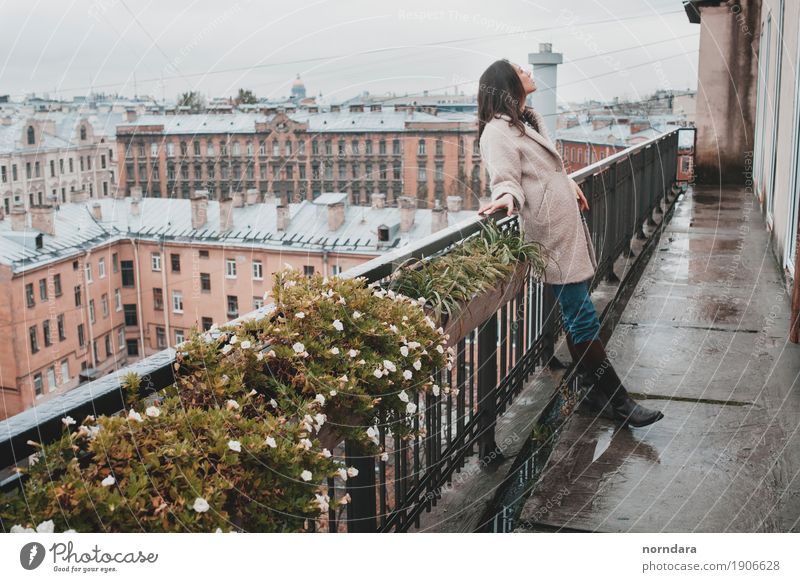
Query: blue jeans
[580, 317]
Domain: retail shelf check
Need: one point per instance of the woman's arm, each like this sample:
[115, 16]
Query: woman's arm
[502, 160]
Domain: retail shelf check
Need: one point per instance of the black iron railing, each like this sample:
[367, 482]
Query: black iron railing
[493, 361]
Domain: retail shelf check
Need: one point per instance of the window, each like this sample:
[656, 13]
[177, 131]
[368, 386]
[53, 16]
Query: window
[29, 300]
[57, 284]
[34, 339]
[109, 348]
[258, 271]
[233, 306]
[158, 299]
[104, 304]
[133, 347]
[64, 371]
[46, 333]
[130, 314]
[78, 300]
[120, 338]
[31, 136]
[127, 273]
[180, 337]
[196, 147]
[94, 352]
[177, 302]
[175, 261]
[422, 174]
[161, 338]
[205, 282]
[88, 271]
[206, 322]
[81, 336]
[230, 268]
[258, 302]
[62, 335]
[203, 254]
[101, 268]
[91, 310]
[396, 147]
[308, 270]
[155, 261]
[117, 300]
[38, 388]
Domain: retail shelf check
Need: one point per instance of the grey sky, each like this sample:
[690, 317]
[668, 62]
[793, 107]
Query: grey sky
[340, 48]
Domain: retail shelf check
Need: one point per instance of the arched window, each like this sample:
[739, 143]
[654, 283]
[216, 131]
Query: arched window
[83, 132]
[31, 136]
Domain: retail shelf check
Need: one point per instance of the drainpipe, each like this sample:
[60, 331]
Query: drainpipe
[167, 301]
[138, 290]
[88, 315]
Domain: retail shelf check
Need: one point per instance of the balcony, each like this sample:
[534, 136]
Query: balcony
[504, 362]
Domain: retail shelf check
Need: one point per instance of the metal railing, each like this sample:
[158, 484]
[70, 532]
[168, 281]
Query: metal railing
[493, 361]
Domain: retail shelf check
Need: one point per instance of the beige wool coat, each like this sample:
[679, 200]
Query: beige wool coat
[530, 169]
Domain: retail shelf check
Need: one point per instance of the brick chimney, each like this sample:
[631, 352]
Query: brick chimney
[282, 211]
[438, 217]
[43, 218]
[19, 217]
[136, 192]
[408, 207]
[97, 211]
[335, 216]
[238, 199]
[225, 215]
[252, 196]
[269, 198]
[130, 115]
[378, 200]
[454, 203]
[199, 209]
[78, 196]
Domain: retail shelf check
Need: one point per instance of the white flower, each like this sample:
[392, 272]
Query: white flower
[306, 444]
[233, 339]
[46, 527]
[407, 374]
[321, 399]
[361, 362]
[320, 419]
[200, 505]
[68, 420]
[389, 366]
[435, 390]
[393, 328]
[338, 325]
[271, 442]
[404, 351]
[372, 432]
[413, 345]
[342, 474]
[440, 349]
[335, 350]
[352, 471]
[298, 347]
[133, 415]
[322, 501]
[260, 356]
[421, 300]
[403, 396]
[272, 403]
[378, 372]
[332, 393]
[108, 481]
[245, 345]
[300, 315]
[411, 408]
[271, 353]
[152, 411]
[356, 314]
[384, 456]
[417, 365]
[306, 475]
[232, 405]
[226, 348]
[352, 353]
[19, 529]
[326, 453]
[235, 446]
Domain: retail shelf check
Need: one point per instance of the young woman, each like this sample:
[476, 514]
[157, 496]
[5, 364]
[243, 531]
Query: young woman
[527, 176]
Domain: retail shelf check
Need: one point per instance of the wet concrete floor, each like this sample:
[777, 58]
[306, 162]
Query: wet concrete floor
[704, 339]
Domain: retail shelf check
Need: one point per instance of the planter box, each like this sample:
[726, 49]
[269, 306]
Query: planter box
[481, 307]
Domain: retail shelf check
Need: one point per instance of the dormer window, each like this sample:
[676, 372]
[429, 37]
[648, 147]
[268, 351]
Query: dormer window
[83, 132]
[31, 136]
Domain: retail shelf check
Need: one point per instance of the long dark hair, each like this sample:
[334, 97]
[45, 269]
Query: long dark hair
[501, 91]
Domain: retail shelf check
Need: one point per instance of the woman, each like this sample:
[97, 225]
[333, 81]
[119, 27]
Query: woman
[527, 175]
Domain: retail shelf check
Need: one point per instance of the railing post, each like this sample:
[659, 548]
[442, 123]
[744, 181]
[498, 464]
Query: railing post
[361, 516]
[487, 386]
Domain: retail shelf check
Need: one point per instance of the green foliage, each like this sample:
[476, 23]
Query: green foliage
[245, 97]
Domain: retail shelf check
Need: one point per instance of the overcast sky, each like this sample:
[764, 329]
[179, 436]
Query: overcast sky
[339, 47]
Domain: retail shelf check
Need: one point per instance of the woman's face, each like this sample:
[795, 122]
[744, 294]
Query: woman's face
[526, 78]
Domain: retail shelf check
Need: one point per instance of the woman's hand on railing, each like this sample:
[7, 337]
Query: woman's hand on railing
[506, 201]
[583, 204]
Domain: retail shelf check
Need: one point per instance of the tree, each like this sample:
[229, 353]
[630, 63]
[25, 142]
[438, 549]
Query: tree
[192, 99]
[245, 97]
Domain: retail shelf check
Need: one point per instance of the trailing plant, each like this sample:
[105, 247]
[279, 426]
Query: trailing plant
[472, 267]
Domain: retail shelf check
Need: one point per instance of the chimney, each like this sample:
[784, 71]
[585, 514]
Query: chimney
[238, 199]
[269, 198]
[97, 211]
[378, 200]
[43, 218]
[252, 196]
[199, 203]
[454, 203]
[78, 196]
[282, 217]
[18, 217]
[545, 71]
[130, 115]
[408, 207]
[438, 217]
[136, 192]
[225, 215]
[335, 216]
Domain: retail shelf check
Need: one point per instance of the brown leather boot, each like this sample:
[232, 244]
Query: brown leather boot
[592, 355]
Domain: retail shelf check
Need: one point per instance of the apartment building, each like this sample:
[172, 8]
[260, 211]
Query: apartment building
[358, 149]
[90, 286]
